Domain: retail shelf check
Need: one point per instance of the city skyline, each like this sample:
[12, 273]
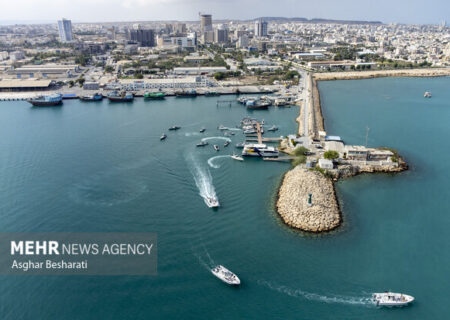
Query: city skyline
[85, 11]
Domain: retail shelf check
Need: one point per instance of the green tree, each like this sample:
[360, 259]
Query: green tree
[109, 69]
[331, 154]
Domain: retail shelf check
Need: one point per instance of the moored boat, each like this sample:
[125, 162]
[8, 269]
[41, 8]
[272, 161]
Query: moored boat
[259, 150]
[47, 101]
[225, 275]
[154, 95]
[186, 94]
[273, 128]
[211, 93]
[236, 157]
[391, 299]
[240, 145]
[121, 96]
[93, 97]
[257, 104]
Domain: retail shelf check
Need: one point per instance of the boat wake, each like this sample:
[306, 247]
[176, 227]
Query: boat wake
[203, 180]
[216, 138]
[211, 161]
[232, 129]
[299, 293]
[205, 259]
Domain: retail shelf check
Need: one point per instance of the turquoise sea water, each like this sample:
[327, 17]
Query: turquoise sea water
[92, 167]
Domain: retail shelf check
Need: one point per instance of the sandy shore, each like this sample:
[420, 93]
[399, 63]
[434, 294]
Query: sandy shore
[429, 72]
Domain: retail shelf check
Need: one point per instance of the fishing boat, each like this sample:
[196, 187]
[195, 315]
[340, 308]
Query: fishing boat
[259, 150]
[226, 275]
[121, 96]
[186, 94]
[257, 105]
[273, 128]
[154, 95]
[212, 201]
[236, 157]
[173, 128]
[202, 130]
[47, 101]
[390, 299]
[216, 147]
[226, 143]
[93, 97]
[427, 94]
[202, 144]
[163, 137]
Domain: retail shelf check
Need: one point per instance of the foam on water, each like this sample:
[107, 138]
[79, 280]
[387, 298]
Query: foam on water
[216, 138]
[332, 298]
[211, 161]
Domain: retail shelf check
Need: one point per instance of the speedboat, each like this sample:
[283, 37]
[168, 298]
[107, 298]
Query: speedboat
[222, 127]
[226, 143]
[202, 130]
[427, 94]
[391, 299]
[212, 202]
[174, 128]
[216, 147]
[226, 275]
[164, 136]
[240, 145]
[273, 128]
[236, 157]
[202, 144]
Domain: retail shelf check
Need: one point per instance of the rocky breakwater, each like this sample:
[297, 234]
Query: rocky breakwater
[322, 215]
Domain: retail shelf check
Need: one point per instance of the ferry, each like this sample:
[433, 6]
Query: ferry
[121, 96]
[212, 202]
[173, 128]
[427, 94]
[47, 101]
[259, 150]
[236, 157]
[186, 94]
[202, 144]
[163, 137]
[390, 299]
[226, 275]
[154, 95]
[216, 147]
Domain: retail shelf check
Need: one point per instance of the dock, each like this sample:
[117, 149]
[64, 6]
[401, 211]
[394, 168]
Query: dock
[288, 158]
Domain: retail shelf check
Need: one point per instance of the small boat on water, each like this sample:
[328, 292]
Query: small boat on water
[273, 128]
[202, 144]
[226, 143]
[186, 94]
[240, 145]
[257, 104]
[92, 97]
[222, 127]
[226, 275]
[216, 147]
[212, 201]
[236, 157]
[427, 94]
[202, 130]
[121, 96]
[47, 101]
[154, 95]
[172, 128]
[163, 137]
[390, 299]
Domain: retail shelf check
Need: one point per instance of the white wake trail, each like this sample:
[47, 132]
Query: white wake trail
[212, 159]
[203, 179]
[216, 138]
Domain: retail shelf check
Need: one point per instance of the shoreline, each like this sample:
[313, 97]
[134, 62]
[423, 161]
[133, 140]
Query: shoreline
[298, 182]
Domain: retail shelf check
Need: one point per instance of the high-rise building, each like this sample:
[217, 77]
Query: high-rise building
[261, 28]
[221, 34]
[65, 30]
[179, 28]
[144, 37]
[242, 42]
[205, 23]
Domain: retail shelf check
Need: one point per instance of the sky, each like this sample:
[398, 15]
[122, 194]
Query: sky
[401, 11]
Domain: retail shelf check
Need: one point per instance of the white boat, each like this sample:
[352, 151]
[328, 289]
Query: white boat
[222, 127]
[236, 157]
[259, 150]
[273, 128]
[226, 275]
[216, 147]
[391, 299]
[164, 136]
[226, 143]
[212, 202]
[427, 94]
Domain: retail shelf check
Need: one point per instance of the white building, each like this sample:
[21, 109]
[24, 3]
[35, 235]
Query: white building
[325, 164]
[65, 30]
[166, 83]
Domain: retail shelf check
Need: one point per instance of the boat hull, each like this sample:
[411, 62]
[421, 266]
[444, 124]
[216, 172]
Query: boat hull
[45, 103]
[114, 99]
